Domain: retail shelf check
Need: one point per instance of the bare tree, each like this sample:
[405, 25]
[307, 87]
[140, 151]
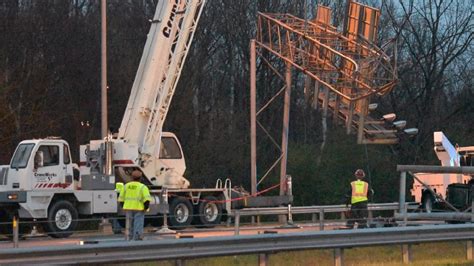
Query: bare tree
[434, 35]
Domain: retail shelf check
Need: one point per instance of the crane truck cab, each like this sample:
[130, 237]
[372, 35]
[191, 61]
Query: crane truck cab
[39, 164]
[41, 183]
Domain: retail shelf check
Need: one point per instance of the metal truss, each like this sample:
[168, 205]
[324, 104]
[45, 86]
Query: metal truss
[344, 71]
[350, 68]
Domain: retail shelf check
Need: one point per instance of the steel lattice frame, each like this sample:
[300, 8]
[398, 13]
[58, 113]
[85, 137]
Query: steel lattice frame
[352, 69]
[347, 70]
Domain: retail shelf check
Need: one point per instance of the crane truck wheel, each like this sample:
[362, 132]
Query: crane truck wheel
[181, 213]
[62, 219]
[209, 212]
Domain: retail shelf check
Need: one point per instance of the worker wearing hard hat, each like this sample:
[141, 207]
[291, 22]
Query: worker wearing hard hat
[136, 200]
[359, 194]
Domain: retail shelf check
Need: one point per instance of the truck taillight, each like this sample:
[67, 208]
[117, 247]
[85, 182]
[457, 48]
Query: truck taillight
[13, 196]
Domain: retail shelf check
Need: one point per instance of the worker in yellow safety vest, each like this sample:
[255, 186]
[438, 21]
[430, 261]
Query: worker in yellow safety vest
[135, 198]
[116, 227]
[359, 194]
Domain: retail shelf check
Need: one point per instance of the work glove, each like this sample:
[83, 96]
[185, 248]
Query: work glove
[146, 204]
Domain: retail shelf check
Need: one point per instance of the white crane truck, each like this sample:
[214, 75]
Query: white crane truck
[42, 183]
[457, 189]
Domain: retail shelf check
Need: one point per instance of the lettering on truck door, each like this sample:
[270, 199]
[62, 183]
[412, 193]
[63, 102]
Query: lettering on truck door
[52, 175]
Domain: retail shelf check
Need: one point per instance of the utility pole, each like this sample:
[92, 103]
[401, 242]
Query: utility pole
[104, 115]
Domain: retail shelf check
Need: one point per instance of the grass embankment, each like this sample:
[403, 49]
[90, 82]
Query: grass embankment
[446, 253]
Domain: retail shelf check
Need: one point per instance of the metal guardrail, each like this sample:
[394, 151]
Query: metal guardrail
[318, 215]
[411, 169]
[315, 210]
[179, 249]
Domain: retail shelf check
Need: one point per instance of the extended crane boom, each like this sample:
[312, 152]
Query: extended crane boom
[446, 152]
[165, 51]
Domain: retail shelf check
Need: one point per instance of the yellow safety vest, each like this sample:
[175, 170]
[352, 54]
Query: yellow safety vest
[359, 191]
[118, 187]
[134, 195]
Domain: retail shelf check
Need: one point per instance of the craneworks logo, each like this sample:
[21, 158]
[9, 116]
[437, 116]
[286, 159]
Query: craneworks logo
[169, 24]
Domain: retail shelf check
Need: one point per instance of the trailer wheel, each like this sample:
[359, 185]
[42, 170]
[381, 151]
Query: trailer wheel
[428, 203]
[62, 219]
[181, 213]
[210, 212]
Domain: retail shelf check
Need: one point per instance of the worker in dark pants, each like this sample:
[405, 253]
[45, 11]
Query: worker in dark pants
[116, 227]
[359, 194]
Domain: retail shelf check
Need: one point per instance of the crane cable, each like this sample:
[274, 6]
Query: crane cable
[368, 172]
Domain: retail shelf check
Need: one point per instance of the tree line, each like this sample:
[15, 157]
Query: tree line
[50, 86]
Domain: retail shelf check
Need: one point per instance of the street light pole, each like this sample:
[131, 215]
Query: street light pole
[104, 126]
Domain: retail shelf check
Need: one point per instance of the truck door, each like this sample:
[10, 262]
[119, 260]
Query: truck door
[54, 173]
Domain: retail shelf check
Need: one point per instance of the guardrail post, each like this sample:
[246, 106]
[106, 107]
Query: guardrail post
[15, 231]
[406, 253]
[370, 218]
[290, 216]
[405, 215]
[472, 210]
[105, 226]
[179, 262]
[321, 219]
[403, 181]
[127, 225]
[338, 257]
[237, 223]
[469, 250]
[289, 192]
[262, 259]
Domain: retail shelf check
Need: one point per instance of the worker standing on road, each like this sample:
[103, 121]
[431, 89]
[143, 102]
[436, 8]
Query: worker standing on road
[136, 200]
[359, 193]
[116, 227]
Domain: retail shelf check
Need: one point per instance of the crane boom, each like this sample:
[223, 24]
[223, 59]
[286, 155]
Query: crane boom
[165, 51]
